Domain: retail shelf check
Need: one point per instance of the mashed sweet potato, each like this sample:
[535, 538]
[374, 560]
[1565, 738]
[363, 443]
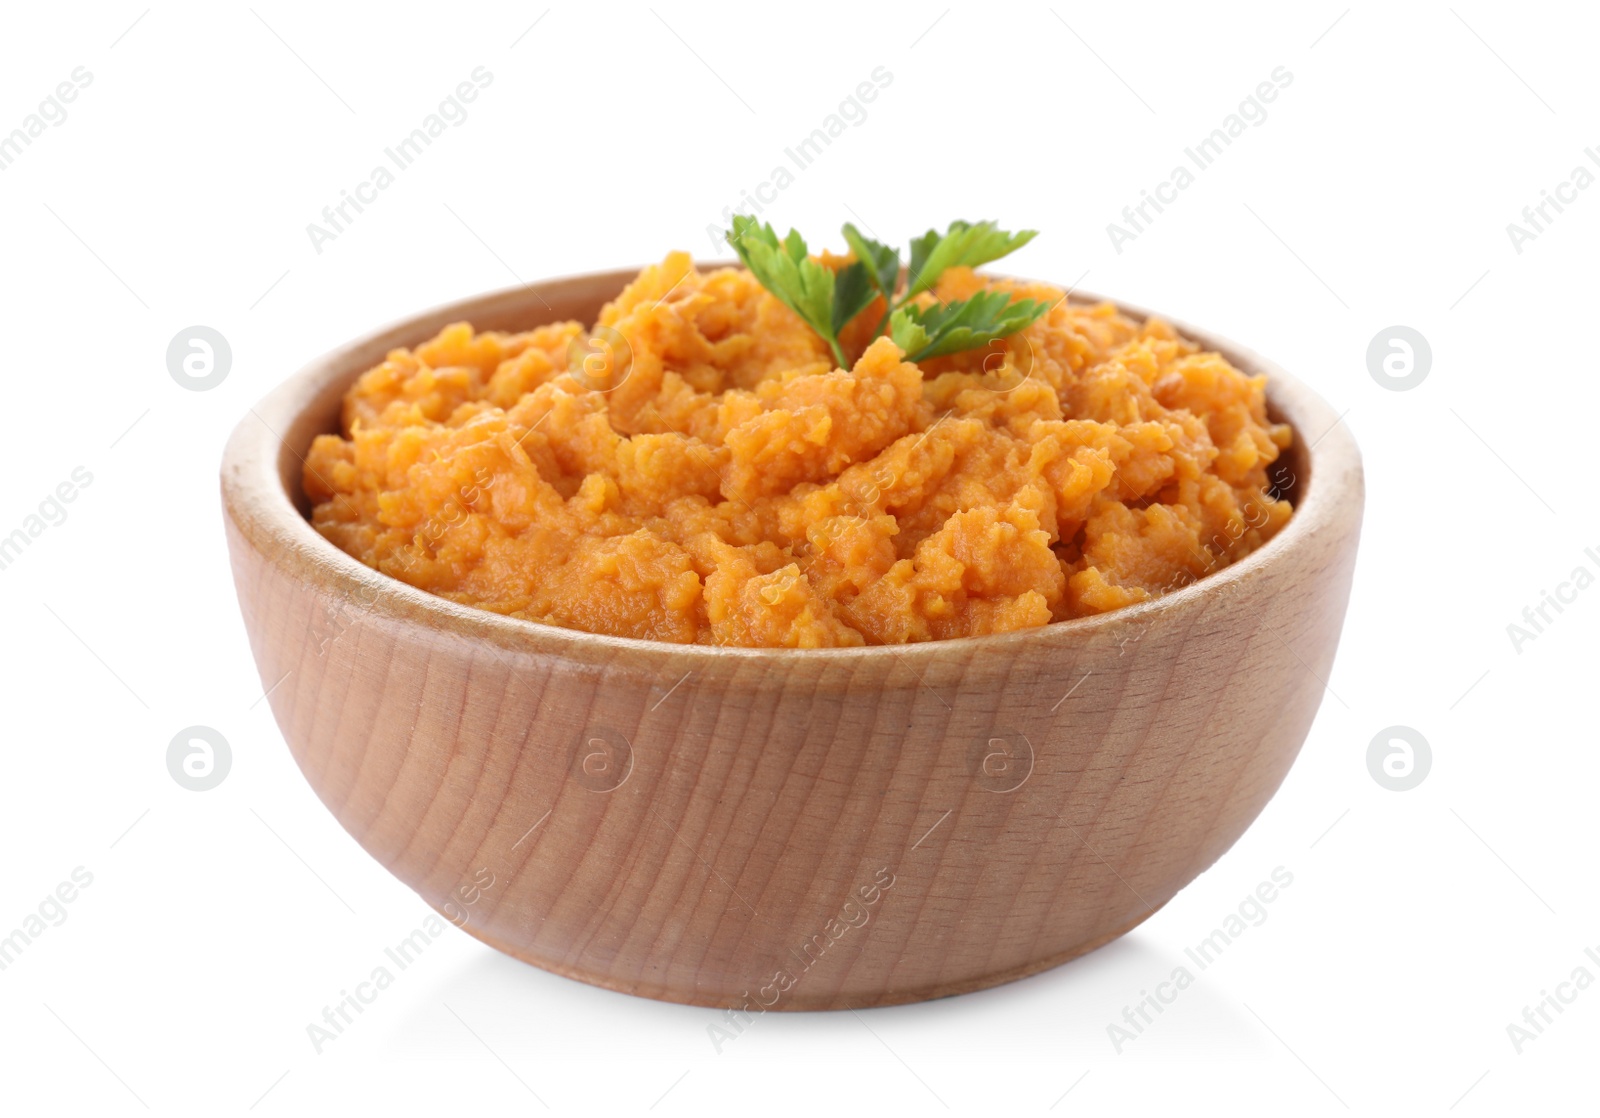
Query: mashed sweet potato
[695, 469]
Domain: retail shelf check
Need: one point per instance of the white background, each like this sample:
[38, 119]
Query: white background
[1377, 192]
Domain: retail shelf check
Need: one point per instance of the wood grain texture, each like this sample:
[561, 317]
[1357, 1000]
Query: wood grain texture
[716, 826]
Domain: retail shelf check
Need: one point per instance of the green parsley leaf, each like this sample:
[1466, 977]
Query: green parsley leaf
[852, 291]
[921, 248]
[881, 261]
[938, 330]
[786, 269]
[965, 245]
[828, 300]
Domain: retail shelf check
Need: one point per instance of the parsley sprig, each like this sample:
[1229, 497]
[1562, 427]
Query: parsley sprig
[827, 300]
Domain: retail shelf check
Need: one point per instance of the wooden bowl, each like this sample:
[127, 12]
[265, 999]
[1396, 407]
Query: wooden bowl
[764, 828]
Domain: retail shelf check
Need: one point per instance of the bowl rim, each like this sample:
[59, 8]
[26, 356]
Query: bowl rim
[257, 504]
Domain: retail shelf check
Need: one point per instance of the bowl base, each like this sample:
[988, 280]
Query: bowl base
[798, 1000]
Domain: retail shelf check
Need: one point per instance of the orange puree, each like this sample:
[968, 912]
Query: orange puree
[695, 469]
